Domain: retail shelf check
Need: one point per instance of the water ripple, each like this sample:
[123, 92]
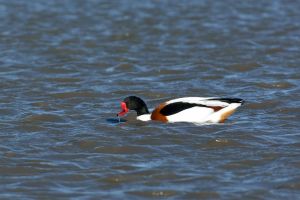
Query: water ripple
[66, 65]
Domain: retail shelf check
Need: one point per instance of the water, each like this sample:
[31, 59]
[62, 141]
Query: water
[66, 65]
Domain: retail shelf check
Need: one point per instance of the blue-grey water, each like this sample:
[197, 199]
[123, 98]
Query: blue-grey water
[66, 65]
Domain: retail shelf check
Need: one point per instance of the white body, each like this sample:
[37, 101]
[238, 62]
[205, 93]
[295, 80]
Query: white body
[146, 117]
[198, 114]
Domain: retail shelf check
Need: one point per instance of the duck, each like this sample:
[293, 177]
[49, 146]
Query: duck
[185, 109]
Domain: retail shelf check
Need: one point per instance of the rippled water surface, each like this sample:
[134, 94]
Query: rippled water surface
[66, 65]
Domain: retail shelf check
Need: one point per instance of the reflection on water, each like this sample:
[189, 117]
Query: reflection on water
[66, 65]
[116, 120]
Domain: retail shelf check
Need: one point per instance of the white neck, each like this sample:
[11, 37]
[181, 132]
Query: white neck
[145, 117]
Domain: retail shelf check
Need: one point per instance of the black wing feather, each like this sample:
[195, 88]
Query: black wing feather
[229, 100]
[177, 107]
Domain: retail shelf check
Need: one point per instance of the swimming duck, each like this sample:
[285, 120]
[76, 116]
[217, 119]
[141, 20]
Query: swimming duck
[186, 109]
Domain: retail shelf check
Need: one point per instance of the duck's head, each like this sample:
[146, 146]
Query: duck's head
[133, 103]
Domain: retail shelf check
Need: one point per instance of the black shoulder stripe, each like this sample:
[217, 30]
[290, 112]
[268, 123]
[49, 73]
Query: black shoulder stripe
[229, 100]
[176, 107]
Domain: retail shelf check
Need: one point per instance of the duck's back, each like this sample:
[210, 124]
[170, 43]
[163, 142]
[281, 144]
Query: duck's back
[196, 109]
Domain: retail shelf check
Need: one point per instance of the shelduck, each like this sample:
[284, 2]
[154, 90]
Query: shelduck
[186, 109]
